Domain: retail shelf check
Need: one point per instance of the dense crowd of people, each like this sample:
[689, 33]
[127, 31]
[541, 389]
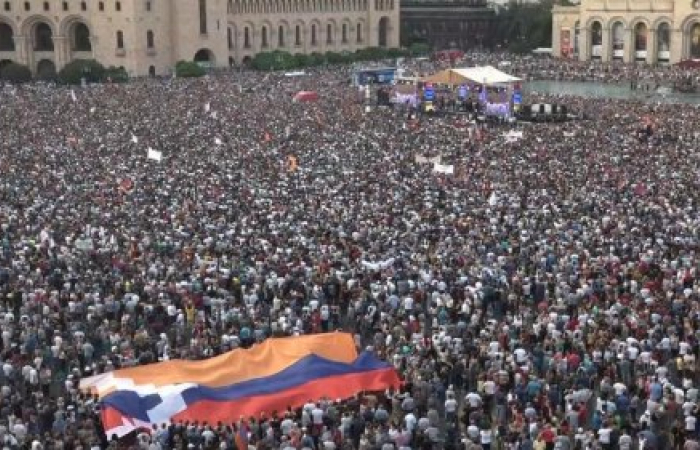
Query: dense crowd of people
[545, 295]
[534, 68]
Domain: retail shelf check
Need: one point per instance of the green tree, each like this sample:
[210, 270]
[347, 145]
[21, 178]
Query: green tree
[76, 70]
[334, 58]
[15, 73]
[396, 53]
[189, 69]
[302, 60]
[419, 49]
[116, 74]
[317, 59]
[276, 60]
[522, 27]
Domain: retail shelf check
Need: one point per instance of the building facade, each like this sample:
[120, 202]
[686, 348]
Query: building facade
[444, 24]
[644, 31]
[147, 37]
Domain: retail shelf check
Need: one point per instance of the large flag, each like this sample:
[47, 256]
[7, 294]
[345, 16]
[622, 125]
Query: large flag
[269, 377]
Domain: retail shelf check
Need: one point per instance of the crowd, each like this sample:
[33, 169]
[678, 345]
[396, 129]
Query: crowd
[533, 68]
[544, 296]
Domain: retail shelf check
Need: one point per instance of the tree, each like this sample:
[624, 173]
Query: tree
[302, 60]
[522, 27]
[334, 58]
[189, 69]
[116, 74]
[15, 73]
[317, 59]
[419, 49]
[276, 60]
[396, 53]
[76, 70]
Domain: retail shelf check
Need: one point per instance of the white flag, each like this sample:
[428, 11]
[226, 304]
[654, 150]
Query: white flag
[217, 141]
[155, 155]
[493, 199]
[73, 96]
[446, 169]
[134, 139]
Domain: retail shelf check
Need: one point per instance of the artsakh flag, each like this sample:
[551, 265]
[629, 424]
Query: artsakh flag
[269, 377]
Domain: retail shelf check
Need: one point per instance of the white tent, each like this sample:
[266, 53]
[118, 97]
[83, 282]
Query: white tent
[487, 75]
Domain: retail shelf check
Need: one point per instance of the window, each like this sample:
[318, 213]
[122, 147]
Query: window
[148, 6]
[101, 6]
[118, 6]
[7, 6]
[65, 6]
[46, 6]
[27, 6]
[297, 35]
[80, 38]
[280, 36]
[329, 34]
[230, 38]
[43, 38]
[345, 33]
[246, 37]
[83, 6]
[313, 34]
[150, 41]
[359, 33]
[7, 42]
[229, 7]
[202, 16]
[263, 37]
[120, 40]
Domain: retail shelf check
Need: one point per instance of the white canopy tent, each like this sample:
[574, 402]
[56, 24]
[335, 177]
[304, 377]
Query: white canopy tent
[485, 75]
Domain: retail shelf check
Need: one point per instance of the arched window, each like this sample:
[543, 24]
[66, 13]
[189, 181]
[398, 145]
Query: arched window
[297, 35]
[150, 39]
[43, 38]
[7, 41]
[280, 36]
[345, 33]
[358, 31]
[263, 37]
[246, 37]
[229, 7]
[120, 39]
[81, 38]
[313, 34]
[329, 34]
[230, 38]
[663, 36]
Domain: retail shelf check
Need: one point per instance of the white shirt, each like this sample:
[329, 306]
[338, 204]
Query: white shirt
[690, 423]
[604, 435]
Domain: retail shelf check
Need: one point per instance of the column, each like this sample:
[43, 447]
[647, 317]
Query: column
[584, 48]
[61, 51]
[652, 51]
[628, 55]
[605, 53]
[22, 50]
[677, 46]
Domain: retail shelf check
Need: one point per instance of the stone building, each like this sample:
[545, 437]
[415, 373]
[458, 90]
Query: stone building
[147, 37]
[645, 31]
[444, 24]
